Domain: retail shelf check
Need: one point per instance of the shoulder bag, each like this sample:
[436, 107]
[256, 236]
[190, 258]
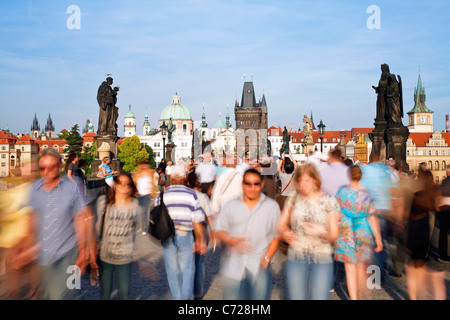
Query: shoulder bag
[161, 225]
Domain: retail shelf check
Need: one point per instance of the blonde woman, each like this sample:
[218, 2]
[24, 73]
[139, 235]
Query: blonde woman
[309, 224]
[108, 173]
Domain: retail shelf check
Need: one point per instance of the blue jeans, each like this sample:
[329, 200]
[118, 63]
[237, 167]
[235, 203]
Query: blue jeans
[180, 267]
[200, 271]
[122, 274]
[55, 277]
[249, 288]
[145, 204]
[301, 276]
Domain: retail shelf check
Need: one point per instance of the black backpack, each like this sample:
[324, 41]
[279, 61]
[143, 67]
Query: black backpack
[160, 224]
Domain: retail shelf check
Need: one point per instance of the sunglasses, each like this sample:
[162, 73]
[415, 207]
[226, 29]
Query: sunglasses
[51, 167]
[124, 184]
[252, 184]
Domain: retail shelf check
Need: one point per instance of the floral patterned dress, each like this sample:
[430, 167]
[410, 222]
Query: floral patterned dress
[355, 243]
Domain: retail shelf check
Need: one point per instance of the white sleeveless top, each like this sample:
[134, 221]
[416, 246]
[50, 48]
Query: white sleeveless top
[144, 185]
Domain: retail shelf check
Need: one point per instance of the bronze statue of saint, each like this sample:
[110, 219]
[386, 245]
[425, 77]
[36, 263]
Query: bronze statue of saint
[394, 101]
[170, 129]
[286, 140]
[381, 92]
[107, 98]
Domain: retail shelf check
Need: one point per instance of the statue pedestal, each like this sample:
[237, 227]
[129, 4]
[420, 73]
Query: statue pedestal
[396, 147]
[169, 149]
[111, 141]
[106, 146]
[308, 147]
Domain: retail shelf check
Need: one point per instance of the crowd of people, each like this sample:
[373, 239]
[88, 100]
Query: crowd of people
[316, 215]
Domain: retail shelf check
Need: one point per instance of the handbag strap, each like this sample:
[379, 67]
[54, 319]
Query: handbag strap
[287, 184]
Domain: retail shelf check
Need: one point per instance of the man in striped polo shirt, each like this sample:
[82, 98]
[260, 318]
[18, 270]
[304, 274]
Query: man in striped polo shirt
[62, 223]
[187, 215]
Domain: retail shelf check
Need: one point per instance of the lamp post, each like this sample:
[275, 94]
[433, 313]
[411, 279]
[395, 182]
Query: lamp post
[321, 127]
[163, 128]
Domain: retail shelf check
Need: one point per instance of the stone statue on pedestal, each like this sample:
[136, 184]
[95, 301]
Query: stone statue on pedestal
[107, 99]
[389, 136]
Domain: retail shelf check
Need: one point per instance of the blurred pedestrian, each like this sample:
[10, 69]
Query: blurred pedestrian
[185, 210]
[17, 246]
[161, 179]
[418, 241]
[309, 224]
[168, 173]
[376, 178]
[359, 233]
[247, 227]
[403, 197]
[334, 175]
[63, 225]
[228, 186]
[71, 168]
[206, 172]
[200, 270]
[119, 220]
[143, 179]
[268, 169]
[444, 218]
[81, 173]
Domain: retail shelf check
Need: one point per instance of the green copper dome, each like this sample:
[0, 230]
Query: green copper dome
[176, 111]
[129, 114]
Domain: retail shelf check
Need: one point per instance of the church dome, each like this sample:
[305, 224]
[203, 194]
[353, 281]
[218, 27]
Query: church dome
[129, 114]
[176, 110]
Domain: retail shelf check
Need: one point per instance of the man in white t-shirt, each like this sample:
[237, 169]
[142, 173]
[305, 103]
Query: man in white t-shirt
[206, 173]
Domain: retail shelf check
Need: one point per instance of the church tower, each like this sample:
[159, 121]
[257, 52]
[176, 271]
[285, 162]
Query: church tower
[50, 128]
[420, 118]
[130, 124]
[146, 126]
[35, 128]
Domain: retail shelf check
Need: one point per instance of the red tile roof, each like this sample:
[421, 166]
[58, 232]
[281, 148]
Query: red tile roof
[420, 138]
[7, 138]
[26, 139]
[89, 136]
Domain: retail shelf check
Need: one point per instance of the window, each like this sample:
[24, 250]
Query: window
[23, 148]
[3, 164]
[436, 165]
[157, 154]
[157, 144]
[184, 128]
[3, 156]
[3, 148]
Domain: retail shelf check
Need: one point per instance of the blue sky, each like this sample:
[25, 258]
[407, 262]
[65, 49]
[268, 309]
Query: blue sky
[303, 55]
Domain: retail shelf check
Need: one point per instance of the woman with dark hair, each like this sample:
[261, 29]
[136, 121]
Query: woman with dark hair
[359, 233]
[418, 240]
[70, 167]
[119, 221]
[285, 171]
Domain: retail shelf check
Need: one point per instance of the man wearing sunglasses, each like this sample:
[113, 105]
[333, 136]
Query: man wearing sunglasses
[246, 226]
[62, 226]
